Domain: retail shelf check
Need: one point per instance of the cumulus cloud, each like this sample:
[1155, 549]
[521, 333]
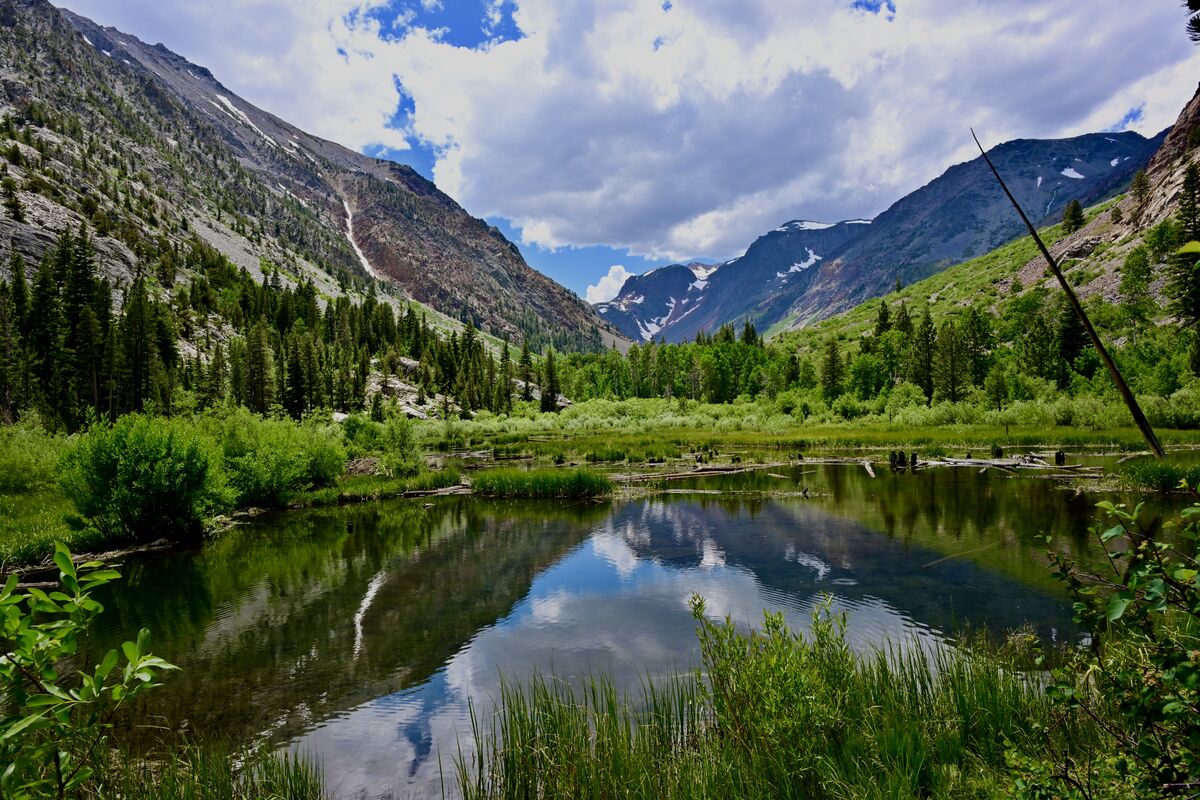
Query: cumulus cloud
[684, 130]
[609, 285]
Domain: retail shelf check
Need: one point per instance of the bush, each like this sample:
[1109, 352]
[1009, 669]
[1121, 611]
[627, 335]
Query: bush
[402, 456]
[145, 478]
[29, 458]
[270, 461]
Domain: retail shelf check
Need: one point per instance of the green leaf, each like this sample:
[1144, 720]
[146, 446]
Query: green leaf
[1112, 533]
[23, 724]
[1190, 247]
[1117, 605]
[106, 666]
[62, 559]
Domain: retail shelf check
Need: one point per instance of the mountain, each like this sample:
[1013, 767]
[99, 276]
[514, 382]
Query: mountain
[802, 271]
[150, 150]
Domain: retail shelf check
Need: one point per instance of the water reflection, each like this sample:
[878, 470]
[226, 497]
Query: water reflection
[359, 635]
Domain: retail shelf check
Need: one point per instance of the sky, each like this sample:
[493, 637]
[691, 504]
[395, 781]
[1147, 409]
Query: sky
[608, 137]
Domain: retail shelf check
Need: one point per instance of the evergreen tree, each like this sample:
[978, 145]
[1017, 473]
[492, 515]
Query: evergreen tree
[504, 381]
[750, 334]
[996, 388]
[9, 357]
[978, 339]
[903, 320]
[1072, 337]
[296, 389]
[19, 294]
[12, 201]
[260, 370]
[1136, 277]
[921, 354]
[137, 343]
[883, 319]
[1072, 217]
[951, 363]
[1189, 205]
[525, 369]
[1038, 349]
[1139, 187]
[550, 388]
[831, 371]
[45, 341]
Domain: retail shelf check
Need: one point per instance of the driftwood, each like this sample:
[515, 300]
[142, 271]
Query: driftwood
[867, 466]
[699, 472]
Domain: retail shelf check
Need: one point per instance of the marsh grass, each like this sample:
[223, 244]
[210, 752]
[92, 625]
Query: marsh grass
[543, 483]
[193, 772]
[1160, 476]
[379, 487]
[772, 714]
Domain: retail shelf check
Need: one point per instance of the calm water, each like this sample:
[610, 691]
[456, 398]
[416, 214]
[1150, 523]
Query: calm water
[358, 635]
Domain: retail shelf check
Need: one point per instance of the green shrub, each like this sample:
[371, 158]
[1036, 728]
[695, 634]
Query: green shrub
[145, 478]
[542, 483]
[402, 456]
[362, 435]
[270, 461]
[29, 458]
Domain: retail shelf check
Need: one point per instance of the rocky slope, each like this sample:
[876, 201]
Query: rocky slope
[803, 272]
[150, 149]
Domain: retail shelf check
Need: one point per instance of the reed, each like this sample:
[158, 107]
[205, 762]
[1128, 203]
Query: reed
[771, 714]
[542, 483]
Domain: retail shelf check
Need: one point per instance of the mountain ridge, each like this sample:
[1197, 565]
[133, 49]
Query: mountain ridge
[952, 218]
[256, 187]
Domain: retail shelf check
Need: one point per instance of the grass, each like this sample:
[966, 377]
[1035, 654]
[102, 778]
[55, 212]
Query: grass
[1160, 476]
[363, 488]
[196, 772]
[543, 483]
[773, 714]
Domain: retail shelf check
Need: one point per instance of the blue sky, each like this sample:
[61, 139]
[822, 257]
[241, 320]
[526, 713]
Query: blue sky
[608, 137]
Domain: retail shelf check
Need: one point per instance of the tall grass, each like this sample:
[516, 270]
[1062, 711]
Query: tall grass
[192, 773]
[543, 483]
[1161, 476]
[771, 714]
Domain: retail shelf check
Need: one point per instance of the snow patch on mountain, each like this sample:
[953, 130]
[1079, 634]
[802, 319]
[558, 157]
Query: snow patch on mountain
[240, 116]
[1070, 172]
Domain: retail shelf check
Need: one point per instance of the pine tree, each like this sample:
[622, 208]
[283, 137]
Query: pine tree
[19, 294]
[296, 380]
[996, 388]
[45, 340]
[138, 344]
[9, 357]
[1139, 187]
[951, 365]
[921, 354]
[978, 335]
[504, 381]
[549, 384]
[883, 319]
[903, 321]
[831, 371]
[1136, 277]
[12, 201]
[525, 369]
[1189, 205]
[1072, 217]
[259, 370]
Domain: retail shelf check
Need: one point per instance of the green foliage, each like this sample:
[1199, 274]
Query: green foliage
[1072, 217]
[1141, 677]
[190, 772]
[545, 483]
[1160, 475]
[29, 458]
[402, 455]
[770, 713]
[271, 461]
[55, 724]
[145, 478]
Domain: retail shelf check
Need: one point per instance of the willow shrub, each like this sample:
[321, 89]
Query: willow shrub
[145, 478]
[271, 461]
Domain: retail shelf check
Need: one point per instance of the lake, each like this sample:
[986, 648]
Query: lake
[359, 634]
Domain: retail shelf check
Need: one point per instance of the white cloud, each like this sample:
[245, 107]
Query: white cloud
[609, 285]
[686, 133]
